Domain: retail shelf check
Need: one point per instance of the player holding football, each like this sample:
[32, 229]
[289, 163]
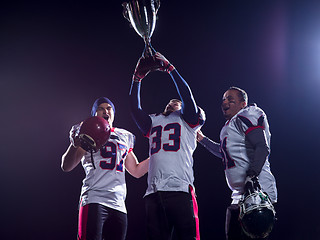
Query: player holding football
[102, 210]
[170, 199]
[244, 147]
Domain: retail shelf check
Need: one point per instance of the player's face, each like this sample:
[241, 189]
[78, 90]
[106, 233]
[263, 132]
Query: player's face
[106, 111]
[231, 104]
[171, 107]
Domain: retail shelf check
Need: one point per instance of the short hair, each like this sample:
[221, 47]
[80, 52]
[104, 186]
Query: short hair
[175, 100]
[241, 93]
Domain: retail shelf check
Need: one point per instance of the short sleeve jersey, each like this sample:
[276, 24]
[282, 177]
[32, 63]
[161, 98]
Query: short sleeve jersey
[172, 142]
[237, 152]
[105, 184]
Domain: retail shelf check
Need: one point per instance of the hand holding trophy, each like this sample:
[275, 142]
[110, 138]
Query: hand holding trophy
[142, 15]
[145, 65]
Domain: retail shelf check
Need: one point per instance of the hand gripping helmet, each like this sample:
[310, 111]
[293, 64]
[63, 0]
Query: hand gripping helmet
[257, 214]
[94, 133]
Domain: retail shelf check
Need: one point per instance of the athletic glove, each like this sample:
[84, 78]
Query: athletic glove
[74, 135]
[143, 67]
[163, 64]
[251, 184]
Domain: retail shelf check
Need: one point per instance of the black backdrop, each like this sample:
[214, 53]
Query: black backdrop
[57, 57]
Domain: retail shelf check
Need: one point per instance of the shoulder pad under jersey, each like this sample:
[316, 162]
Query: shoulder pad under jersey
[251, 117]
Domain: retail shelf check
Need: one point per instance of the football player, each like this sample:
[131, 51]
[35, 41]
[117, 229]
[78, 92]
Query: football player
[170, 197]
[244, 148]
[102, 210]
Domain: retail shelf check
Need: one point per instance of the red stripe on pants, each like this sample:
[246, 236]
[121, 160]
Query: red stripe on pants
[195, 212]
[82, 225]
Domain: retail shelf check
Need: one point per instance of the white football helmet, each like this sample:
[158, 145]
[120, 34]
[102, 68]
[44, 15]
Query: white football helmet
[257, 214]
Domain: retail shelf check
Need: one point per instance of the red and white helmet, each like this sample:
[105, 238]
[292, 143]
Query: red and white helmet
[94, 133]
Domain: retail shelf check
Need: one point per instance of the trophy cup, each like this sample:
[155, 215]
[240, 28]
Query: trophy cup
[142, 16]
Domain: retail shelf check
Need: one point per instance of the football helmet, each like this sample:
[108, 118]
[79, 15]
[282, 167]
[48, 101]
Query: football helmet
[94, 133]
[257, 214]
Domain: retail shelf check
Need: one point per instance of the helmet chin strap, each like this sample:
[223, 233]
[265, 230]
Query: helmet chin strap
[91, 152]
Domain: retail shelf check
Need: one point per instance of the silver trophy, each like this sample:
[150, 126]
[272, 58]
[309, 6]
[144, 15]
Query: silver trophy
[142, 15]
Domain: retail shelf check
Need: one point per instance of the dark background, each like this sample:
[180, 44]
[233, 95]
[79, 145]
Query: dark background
[57, 57]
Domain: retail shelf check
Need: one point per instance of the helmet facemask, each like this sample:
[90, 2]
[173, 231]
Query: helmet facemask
[257, 214]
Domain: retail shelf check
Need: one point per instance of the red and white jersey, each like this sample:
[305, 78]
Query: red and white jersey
[172, 142]
[236, 152]
[106, 184]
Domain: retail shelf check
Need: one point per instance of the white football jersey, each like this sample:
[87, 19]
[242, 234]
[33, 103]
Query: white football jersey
[172, 142]
[106, 184]
[237, 152]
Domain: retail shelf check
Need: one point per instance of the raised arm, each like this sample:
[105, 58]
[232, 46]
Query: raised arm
[73, 155]
[189, 108]
[158, 62]
[71, 158]
[142, 119]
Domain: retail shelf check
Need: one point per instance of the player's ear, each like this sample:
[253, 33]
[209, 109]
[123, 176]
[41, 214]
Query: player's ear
[243, 104]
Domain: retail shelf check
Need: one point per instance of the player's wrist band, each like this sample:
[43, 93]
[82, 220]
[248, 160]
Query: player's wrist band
[170, 68]
[135, 78]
